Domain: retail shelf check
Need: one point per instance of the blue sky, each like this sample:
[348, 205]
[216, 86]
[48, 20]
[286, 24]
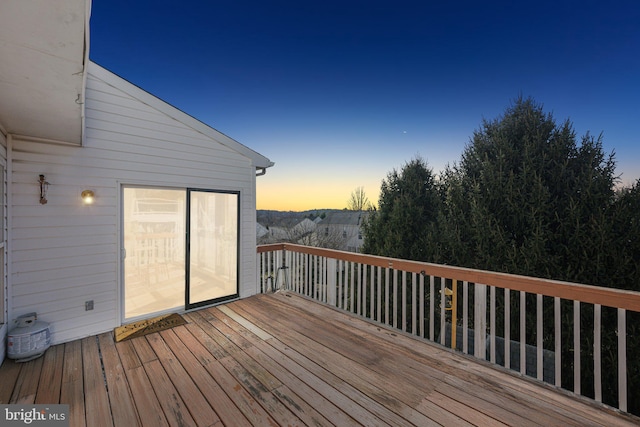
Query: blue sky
[339, 93]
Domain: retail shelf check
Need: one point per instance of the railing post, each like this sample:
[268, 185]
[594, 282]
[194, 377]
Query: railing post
[480, 321]
[285, 279]
[259, 287]
[622, 360]
[454, 314]
[332, 272]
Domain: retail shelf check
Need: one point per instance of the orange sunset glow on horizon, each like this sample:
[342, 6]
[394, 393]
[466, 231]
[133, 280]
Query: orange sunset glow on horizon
[308, 195]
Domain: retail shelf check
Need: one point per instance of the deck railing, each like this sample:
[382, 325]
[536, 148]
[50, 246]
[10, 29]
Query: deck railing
[562, 333]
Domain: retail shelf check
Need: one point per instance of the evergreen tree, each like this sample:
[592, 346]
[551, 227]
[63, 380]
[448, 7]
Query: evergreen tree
[526, 198]
[622, 258]
[403, 226]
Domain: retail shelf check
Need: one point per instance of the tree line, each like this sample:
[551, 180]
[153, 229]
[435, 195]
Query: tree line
[526, 197]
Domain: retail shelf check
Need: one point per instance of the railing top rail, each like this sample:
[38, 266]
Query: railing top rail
[609, 297]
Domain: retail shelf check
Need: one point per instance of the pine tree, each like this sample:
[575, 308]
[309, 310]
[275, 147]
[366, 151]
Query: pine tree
[403, 226]
[526, 198]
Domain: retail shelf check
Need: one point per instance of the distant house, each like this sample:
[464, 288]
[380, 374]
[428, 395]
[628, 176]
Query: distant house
[304, 229]
[297, 232]
[275, 234]
[261, 231]
[334, 229]
[158, 179]
[342, 230]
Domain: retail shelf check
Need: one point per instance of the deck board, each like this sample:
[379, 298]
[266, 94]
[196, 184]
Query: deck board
[193, 399]
[172, 404]
[97, 403]
[283, 360]
[72, 387]
[184, 345]
[27, 384]
[51, 376]
[124, 413]
[9, 373]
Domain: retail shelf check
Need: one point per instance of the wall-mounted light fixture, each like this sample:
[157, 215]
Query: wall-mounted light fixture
[44, 186]
[88, 197]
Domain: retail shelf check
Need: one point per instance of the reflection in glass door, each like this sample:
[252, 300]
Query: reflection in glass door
[212, 240]
[154, 239]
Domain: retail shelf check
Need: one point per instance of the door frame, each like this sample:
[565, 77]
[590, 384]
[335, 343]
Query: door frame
[187, 255]
[122, 253]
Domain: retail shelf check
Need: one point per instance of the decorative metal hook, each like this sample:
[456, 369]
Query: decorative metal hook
[44, 186]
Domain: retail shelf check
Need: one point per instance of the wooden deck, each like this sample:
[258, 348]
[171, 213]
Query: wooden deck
[284, 360]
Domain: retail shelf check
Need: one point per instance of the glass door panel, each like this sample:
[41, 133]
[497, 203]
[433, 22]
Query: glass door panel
[154, 239]
[213, 247]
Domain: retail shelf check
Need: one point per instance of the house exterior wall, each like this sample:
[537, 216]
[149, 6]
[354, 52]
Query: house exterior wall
[4, 326]
[345, 237]
[343, 228]
[64, 253]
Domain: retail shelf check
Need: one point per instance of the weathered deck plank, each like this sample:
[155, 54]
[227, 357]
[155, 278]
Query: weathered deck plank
[72, 387]
[361, 377]
[146, 401]
[284, 360]
[51, 376]
[27, 384]
[124, 413]
[181, 343]
[96, 399]
[9, 373]
[193, 399]
[172, 404]
[279, 352]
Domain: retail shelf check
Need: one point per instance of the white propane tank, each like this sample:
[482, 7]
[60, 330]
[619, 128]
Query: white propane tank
[29, 339]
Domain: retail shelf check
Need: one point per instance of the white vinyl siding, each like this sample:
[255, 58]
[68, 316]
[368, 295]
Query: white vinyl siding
[64, 253]
[4, 326]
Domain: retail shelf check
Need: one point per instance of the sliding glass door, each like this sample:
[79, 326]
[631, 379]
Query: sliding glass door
[180, 249]
[212, 268]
